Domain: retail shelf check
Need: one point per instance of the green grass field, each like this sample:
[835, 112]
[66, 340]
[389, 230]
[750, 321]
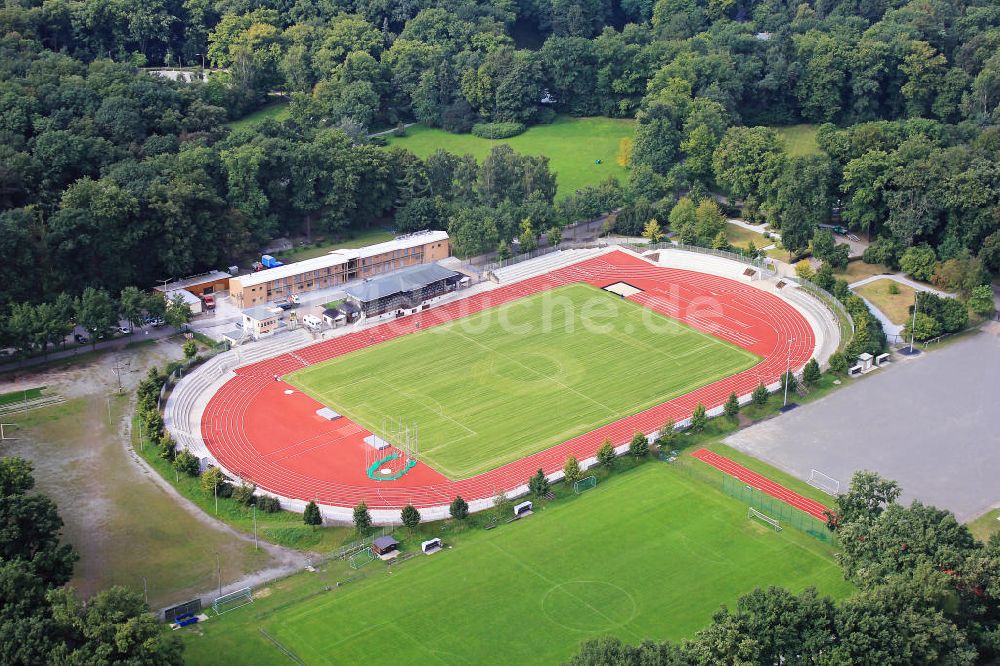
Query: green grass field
[799, 140]
[499, 385]
[571, 144]
[651, 553]
[273, 110]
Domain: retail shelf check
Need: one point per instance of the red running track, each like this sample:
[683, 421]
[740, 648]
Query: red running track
[762, 483]
[256, 430]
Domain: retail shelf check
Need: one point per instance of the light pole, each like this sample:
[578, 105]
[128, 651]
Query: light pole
[913, 324]
[145, 590]
[218, 560]
[255, 546]
[788, 370]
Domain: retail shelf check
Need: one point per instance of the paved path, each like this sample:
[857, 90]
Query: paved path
[927, 422]
[890, 328]
[756, 228]
[389, 131]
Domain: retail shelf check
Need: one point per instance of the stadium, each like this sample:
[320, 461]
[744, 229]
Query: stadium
[547, 359]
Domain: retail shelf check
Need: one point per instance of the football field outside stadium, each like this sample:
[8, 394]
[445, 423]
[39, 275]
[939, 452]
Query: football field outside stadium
[650, 553]
[493, 387]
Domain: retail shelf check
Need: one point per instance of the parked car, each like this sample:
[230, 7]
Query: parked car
[81, 338]
[209, 301]
[157, 322]
[125, 330]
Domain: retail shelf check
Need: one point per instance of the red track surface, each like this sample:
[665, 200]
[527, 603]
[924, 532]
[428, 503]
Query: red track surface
[257, 431]
[762, 483]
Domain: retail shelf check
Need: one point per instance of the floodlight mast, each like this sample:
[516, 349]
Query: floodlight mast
[788, 370]
[913, 325]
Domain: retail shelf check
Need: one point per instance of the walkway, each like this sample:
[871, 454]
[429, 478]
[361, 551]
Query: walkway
[888, 326]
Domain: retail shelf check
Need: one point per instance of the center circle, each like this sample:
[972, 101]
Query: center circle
[529, 367]
[588, 605]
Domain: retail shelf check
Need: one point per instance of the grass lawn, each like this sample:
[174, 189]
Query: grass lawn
[651, 553]
[799, 140]
[274, 110]
[894, 306]
[859, 270]
[20, 396]
[986, 525]
[740, 237]
[571, 144]
[504, 383]
[355, 240]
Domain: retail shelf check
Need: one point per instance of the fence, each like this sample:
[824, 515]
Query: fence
[760, 263]
[788, 515]
[844, 318]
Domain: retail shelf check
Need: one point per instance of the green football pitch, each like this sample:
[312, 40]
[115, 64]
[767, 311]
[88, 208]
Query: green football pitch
[650, 553]
[493, 387]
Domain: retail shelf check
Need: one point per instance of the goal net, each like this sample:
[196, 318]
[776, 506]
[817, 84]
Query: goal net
[584, 485]
[361, 558]
[232, 601]
[754, 514]
[827, 484]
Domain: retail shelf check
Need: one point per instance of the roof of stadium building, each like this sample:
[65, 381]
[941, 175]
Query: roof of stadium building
[406, 279]
[342, 256]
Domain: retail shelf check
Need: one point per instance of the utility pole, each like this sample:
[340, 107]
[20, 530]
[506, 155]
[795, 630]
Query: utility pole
[788, 370]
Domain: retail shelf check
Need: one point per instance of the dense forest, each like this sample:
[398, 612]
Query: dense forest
[110, 176]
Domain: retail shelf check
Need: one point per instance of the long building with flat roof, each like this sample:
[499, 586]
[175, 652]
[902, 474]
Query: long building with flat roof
[338, 267]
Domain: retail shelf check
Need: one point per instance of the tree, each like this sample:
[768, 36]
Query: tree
[921, 327]
[538, 484]
[97, 313]
[652, 232]
[732, 406]
[667, 436]
[981, 300]
[15, 476]
[571, 470]
[606, 455]
[804, 270]
[459, 508]
[187, 463]
[699, 418]
[410, 516]
[244, 493]
[131, 305]
[624, 158]
[212, 481]
[362, 518]
[503, 250]
[555, 236]
[177, 312]
[866, 498]
[759, 395]
[527, 239]
[501, 505]
[811, 373]
[190, 349]
[918, 262]
[747, 161]
[638, 447]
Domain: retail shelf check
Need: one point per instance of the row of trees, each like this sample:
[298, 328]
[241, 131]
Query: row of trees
[33, 328]
[45, 622]
[928, 593]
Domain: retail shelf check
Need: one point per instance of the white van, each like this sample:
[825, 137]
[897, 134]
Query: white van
[312, 322]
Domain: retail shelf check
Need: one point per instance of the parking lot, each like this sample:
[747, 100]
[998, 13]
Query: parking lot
[930, 423]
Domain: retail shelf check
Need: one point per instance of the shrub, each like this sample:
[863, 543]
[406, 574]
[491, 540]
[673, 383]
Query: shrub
[667, 436]
[639, 446]
[362, 518]
[212, 481]
[839, 363]
[187, 463]
[312, 516]
[190, 348]
[759, 395]
[606, 455]
[244, 493]
[459, 509]
[497, 130]
[804, 270]
[981, 300]
[268, 504]
[399, 130]
[699, 419]
[918, 262]
[789, 378]
[893, 288]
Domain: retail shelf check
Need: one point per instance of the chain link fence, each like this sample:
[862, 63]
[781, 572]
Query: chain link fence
[785, 513]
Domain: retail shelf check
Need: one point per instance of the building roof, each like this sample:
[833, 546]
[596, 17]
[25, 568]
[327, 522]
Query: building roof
[384, 542]
[259, 313]
[406, 279]
[194, 280]
[341, 256]
[188, 297]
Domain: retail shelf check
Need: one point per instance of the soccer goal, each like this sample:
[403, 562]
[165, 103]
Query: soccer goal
[361, 558]
[827, 484]
[232, 601]
[754, 514]
[583, 485]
